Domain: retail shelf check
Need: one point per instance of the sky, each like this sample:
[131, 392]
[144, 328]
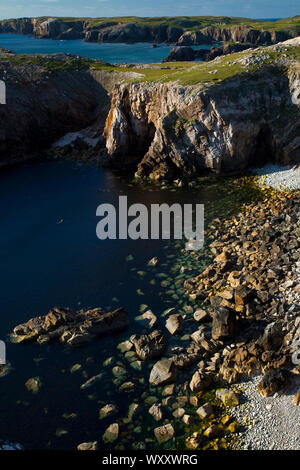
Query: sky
[94, 8]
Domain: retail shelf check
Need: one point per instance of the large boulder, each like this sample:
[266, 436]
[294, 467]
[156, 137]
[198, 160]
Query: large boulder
[149, 346]
[224, 323]
[69, 326]
[174, 324]
[163, 372]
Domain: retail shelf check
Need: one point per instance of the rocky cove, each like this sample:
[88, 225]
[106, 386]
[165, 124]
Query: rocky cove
[194, 323]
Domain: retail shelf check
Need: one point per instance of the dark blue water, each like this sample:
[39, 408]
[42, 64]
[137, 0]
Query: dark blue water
[142, 53]
[44, 264]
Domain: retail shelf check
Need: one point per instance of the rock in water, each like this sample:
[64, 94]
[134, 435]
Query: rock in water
[33, 385]
[163, 372]
[111, 434]
[174, 324]
[88, 446]
[149, 346]
[224, 323]
[164, 433]
[72, 327]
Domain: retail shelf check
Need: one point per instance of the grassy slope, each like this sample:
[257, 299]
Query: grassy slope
[185, 73]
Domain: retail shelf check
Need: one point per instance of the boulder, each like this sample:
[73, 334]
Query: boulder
[164, 433]
[205, 411]
[88, 446]
[200, 381]
[272, 337]
[111, 434]
[181, 53]
[33, 385]
[163, 372]
[224, 323]
[156, 411]
[148, 319]
[150, 346]
[71, 327]
[108, 410]
[201, 316]
[274, 381]
[227, 397]
[174, 324]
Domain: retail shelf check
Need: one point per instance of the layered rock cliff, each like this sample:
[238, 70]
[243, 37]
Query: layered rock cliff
[115, 30]
[226, 126]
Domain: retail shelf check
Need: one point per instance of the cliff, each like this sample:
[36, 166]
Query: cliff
[49, 96]
[162, 120]
[245, 114]
[185, 31]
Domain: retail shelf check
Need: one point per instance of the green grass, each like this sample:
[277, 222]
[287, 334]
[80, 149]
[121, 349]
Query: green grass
[185, 73]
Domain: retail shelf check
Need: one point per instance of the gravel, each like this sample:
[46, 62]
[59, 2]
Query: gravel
[279, 177]
[269, 422]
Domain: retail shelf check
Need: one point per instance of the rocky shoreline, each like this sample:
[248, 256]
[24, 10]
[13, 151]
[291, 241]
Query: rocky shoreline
[242, 321]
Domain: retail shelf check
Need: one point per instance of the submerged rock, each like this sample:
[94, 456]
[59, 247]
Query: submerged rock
[108, 410]
[111, 434]
[164, 433]
[163, 372]
[33, 385]
[150, 346]
[174, 324]
[88, 446]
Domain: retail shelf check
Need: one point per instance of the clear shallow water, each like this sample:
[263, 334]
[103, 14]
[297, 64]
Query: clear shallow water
[142, 53]
[45, 264]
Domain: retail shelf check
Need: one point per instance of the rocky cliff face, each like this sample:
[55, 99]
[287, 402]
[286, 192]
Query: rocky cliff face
[115, 32]
[173, 130]
[43, 104]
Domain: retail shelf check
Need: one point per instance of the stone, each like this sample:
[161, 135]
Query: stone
[212, 431]
[125, 346]
[92, 381]
[193, 442]
[194, 400]
[156, 411]
[224, 323]
[174, 324]
[178, 413]
[148, 319]
[296, 397]
[33, 385]
[108, 410]
[272, 337]
[150, 346]
[200, 381]
[227, 397]
[111, 434]
[133, 410]
[188, 420]
[205, 411]
[273, 382]
[201, 316]
[88, 446]
[164, 433]
[153, 261]
[71, 327]
[163, 372]
[233, 427]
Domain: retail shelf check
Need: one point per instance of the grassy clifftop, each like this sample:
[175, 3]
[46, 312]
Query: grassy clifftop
[190, 23]
[184, 73]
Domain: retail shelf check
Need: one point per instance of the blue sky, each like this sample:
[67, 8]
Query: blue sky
[92, 8]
